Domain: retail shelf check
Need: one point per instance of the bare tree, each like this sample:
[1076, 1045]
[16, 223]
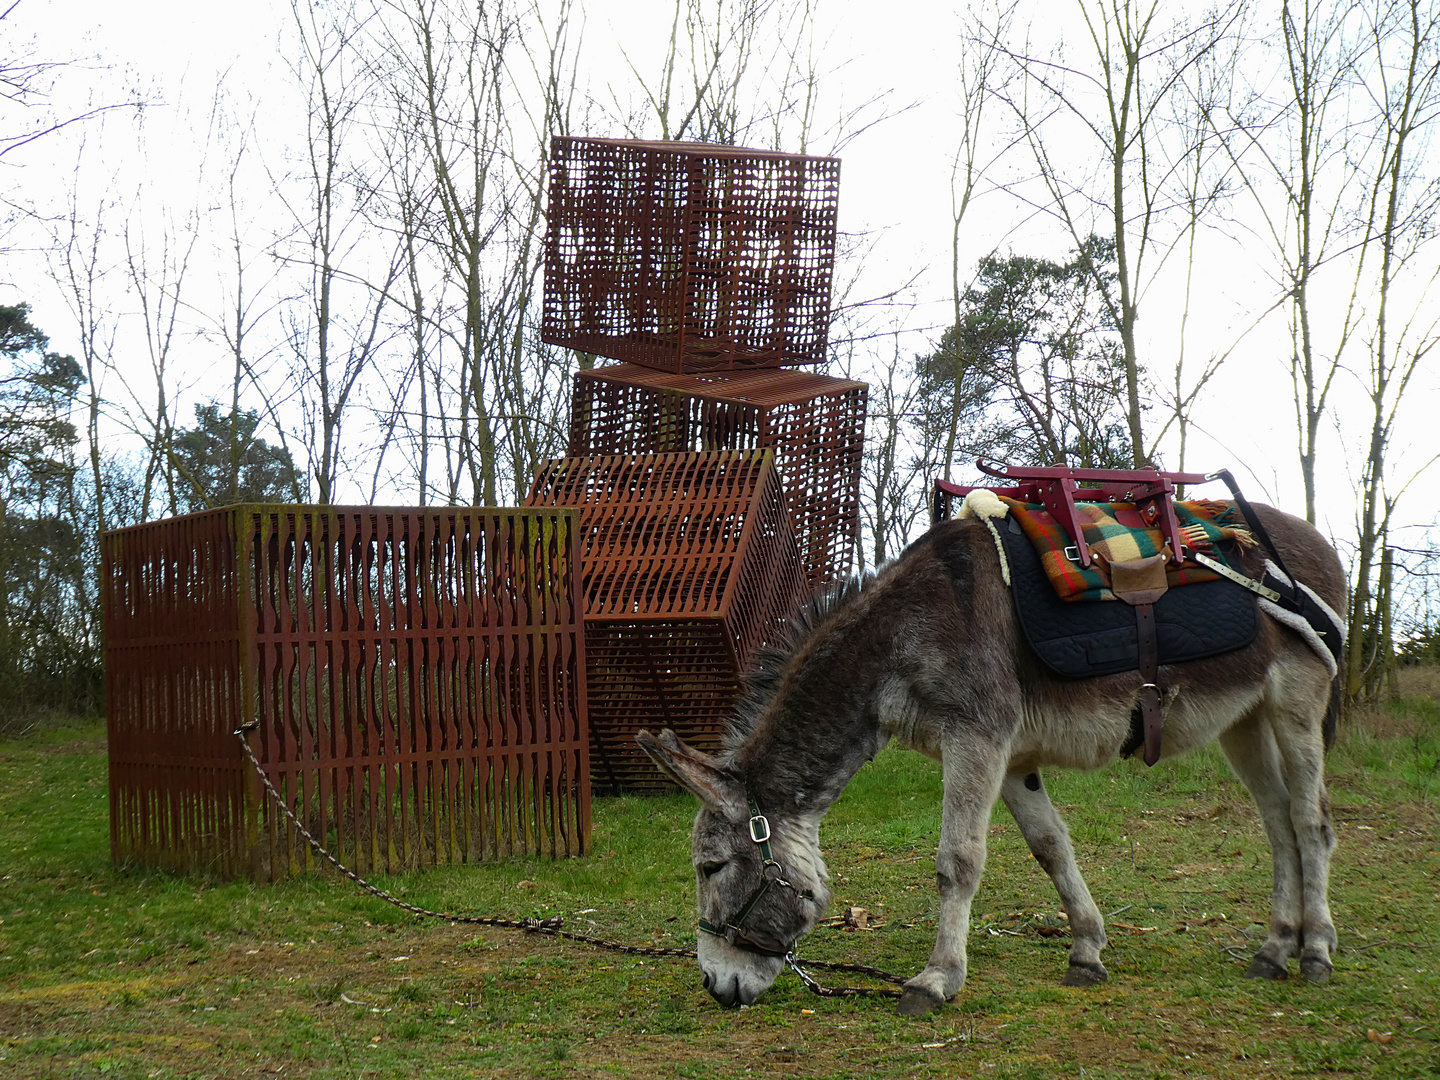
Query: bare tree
[247, 276]
[78, 264]
[1135, 63]
[1398, 219]
[714, 52]
[337, 331]
[476, 94]
[156, 271]
[1295, 152]
[26, 81]
[980, 79]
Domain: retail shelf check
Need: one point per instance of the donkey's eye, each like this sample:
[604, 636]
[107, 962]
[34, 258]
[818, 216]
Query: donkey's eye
[710, 869]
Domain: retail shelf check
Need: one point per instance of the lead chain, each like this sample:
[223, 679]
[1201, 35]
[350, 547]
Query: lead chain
[551, 927]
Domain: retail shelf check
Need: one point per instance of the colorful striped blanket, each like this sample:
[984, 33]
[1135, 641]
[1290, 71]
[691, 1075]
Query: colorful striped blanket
[1115, 533]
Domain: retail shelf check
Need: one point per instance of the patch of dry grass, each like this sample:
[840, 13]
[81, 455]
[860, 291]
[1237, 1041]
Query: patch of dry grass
[1420, 681]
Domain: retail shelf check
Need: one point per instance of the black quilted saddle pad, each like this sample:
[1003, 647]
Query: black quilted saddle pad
[1099, 638]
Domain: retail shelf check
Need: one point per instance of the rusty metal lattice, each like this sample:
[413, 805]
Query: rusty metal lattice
[689, 256]
[417, 676]
[688, 562]
[814, 423]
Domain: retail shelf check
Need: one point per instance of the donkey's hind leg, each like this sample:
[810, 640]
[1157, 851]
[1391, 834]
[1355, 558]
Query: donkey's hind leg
[1281, 761]
[1049, 840]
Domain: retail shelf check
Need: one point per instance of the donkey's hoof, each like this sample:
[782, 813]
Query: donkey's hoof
[1316, 969]
[1084, 975]
[1262, 967]
[917, 1001]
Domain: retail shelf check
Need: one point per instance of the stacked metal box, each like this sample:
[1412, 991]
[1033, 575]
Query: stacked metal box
[689, 256]
[706, 270]
[688, 565]
[815, 424]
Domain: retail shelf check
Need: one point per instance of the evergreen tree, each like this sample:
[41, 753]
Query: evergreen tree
[49, 618]
[221, 461]
[1033, 372]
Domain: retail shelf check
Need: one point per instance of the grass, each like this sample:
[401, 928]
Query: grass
[124, 972]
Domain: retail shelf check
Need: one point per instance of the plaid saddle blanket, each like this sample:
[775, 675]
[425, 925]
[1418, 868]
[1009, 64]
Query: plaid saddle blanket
[1115, 533]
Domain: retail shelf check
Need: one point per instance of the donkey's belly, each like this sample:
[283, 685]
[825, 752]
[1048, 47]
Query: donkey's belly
[1070, 738]
[1085, 733]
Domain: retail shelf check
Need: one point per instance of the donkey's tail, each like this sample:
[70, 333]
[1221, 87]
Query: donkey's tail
[1332, 710]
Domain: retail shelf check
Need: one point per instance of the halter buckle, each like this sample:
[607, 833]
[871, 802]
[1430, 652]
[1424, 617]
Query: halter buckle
[759, 828]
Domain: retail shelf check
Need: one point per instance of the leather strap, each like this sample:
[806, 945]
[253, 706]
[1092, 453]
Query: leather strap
[1149, 641]
[1257, 527]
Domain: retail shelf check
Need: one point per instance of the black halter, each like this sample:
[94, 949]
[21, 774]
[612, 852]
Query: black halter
[733, 930]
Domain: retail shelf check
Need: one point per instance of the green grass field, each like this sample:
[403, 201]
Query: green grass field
[123, 972]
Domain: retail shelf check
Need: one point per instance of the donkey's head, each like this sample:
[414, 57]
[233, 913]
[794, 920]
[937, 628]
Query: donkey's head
[759, 877]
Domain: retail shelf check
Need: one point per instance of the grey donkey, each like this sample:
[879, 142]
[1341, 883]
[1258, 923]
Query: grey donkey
[928, 653]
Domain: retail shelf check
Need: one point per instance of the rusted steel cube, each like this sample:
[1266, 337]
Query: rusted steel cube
[689, 256]
[814, 423]
[414, 678]
[687, 564]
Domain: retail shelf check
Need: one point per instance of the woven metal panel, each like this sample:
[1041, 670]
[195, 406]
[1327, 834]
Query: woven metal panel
[814, 423]
[688, 564]
[175, 692]
[689, 256]
[418, 678]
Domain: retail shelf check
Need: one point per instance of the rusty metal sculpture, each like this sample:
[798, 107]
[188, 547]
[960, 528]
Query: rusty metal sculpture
[689, 256]
[688, 563]
[416, 675]
[814, 423]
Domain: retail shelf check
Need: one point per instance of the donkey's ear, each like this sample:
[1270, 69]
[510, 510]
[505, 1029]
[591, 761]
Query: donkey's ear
[696, 772]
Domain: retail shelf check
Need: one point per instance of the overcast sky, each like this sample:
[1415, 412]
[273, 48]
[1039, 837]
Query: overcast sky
[895, 186]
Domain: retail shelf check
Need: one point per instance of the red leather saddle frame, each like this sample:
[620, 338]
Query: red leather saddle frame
[1059, 487]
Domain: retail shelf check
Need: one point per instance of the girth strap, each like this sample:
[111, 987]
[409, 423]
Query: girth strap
[1140, 584]
[1149, 641]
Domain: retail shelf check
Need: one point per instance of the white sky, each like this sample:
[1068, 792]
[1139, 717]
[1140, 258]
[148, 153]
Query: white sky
[895, 181]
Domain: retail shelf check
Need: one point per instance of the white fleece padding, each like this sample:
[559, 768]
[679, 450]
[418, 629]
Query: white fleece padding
[1300, 625]
[984, 504]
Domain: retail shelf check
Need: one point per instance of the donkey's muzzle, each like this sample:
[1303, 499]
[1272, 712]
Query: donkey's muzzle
[727, 995]
[730, 991]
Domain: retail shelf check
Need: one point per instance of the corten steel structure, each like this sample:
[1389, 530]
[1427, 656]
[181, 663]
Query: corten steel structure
[689, 256]
[814, 423]
[688, 563]
[417, 677]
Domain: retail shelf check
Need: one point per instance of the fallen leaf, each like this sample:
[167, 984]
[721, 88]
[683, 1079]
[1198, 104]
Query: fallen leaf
[1377, 1037]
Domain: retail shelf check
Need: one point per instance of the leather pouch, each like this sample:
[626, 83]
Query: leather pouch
[1142, 581]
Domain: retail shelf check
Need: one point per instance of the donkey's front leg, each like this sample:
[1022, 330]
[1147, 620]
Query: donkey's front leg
[973, 773]
[1049, 840]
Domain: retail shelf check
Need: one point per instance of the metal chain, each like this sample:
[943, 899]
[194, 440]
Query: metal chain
[553, 926]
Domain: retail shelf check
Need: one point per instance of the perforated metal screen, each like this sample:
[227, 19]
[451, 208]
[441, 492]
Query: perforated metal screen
[689, 256]
[417, 676]
[688, 563]
[814, 423]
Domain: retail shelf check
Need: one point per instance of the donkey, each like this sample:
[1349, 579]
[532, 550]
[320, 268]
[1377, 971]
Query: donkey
[929, 652]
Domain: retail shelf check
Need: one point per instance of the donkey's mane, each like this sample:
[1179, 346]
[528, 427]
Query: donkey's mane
[767, 670]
